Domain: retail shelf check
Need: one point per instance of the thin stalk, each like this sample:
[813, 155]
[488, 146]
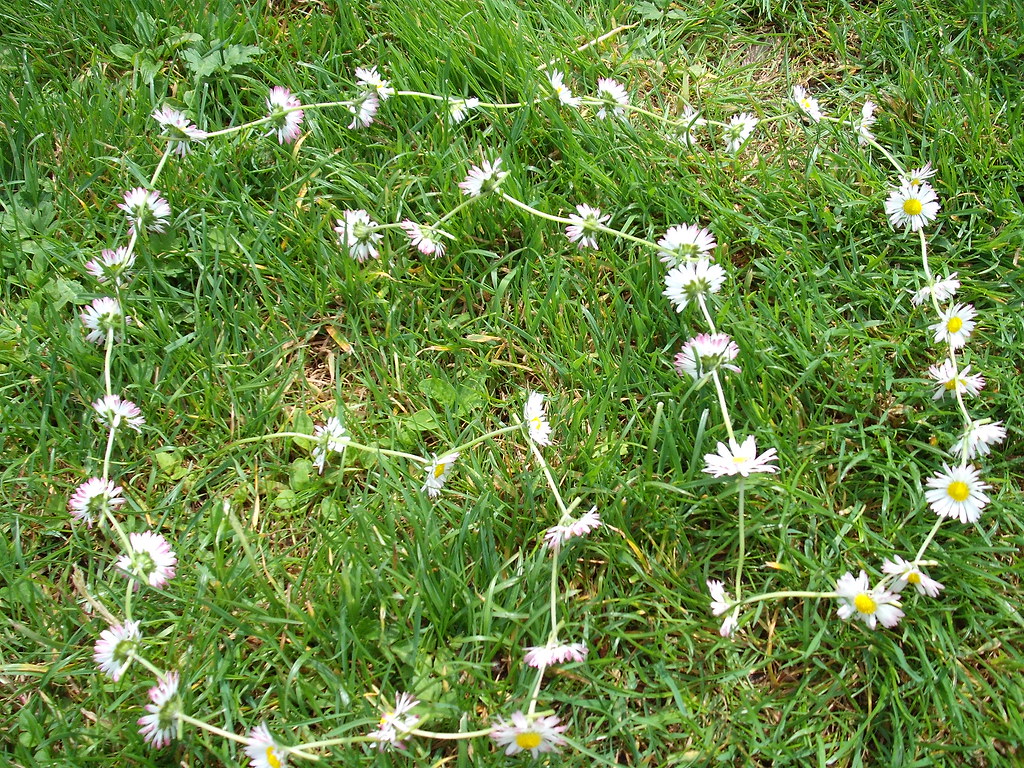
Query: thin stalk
[551, 480]
[106, 364]
[928, 541]
[739, 565]
[723, 406]
[704, 311]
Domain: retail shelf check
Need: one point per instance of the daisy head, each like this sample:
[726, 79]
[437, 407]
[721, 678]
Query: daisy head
[116, 648]
[613, 98]
[556, 79]
[955, 325]
[720, 603]
[94, 498]
[535, 735]
[459, 108]
[483, 179]
[738, 131]
[917, 177]
[437, 473]
[363, 108]
[686, 243]
[872, 606]
[952, 381]
[330, 438]
[586, 224]
[536, 421]
[149, 560]
[263, 751]
[178, 129]
[557, 535]
[691, 281]
[427, 240]
[907, 572]
[396, 723]
[112, 411]
[540, 656]
[102, 317]
[358, 233]
[740, 459]
[807, 105]
[112, 266]
[912, 206]
[146, 210]
[370, 79]
[862, 125]
[957, 492]
[161, 724]
[284, 115]
[940, 290]
[706, 353]
[978, 439]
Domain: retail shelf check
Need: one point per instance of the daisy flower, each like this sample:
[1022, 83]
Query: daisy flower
[684, 243]
[358, 232]
[112, 266]
[536, 736]
[613, 97]
[396, 723]
[535, 419]
[329, 437]
[957, 492]
[706, 353]
[284, 115]
[964, 382]
[161, 724]
[807, 105]
[584, 228]
[540, 656]
[872, 606]
[427, 240]
[912, 206]
[151, 559]
[917, 177]
[363, 108]
[483, 178]
[116, 648]
[263, 751]
[94, 498]
[955, 325]
[557, 535]
[941, 290]
[978, 439]
[862, 125]
[907, 572]
[437, 473]
[101, 317]
[112, 410]
[686, 124]
[719, 605]
[459, 108]
[739, 459]
[371, 80]
[179, 129]
[564, 94]
[146, 210]
[738, 131]
[687, 282]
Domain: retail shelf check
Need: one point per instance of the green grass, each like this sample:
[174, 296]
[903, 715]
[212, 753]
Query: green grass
[310, 596]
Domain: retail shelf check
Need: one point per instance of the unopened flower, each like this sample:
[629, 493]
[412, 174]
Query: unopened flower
[872, 606]
[522, 734]
[103, 316]
[161, 724]
[371, 80]
[706, 353]
[738, 131]
[459, 108]
[427, 240]
[116, 648]
[957, 492]
[939, 289]
[863, 123]
[955, 325]
[978, 439]
[535, 419]
[807, 104]
[113, 265]
[179, 129]
[146, 210]
[358, 232]
[263, 751]
[917, 177]
[585, 226]
[363, 108]
[483, 178]
[285, 115]
[330, 437]
[907, 572]
[739, 459]
[94, 498]
[540, 656]
[113, 411]
[949, 380]
[689, 281]
[912, 206]
[613, 97]
[150, 559]
[557, 535]
[719, 605]
[561, 90]
[396, 723]
[437, 473]
[685, 243]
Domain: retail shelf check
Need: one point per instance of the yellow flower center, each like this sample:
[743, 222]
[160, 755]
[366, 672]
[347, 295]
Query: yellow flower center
[272, 759]
[954, 324]
[864, 603]
[439, 470]
[958, 490]
[528, 740]
[739, 459]
[912, 207]
[913, 577]
[951, 385]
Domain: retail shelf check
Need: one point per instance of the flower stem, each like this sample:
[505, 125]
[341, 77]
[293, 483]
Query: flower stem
[160, 165]
[213, 729]
[928, 541]
[743, 541]
[106, 363]
[723, 406]
[486, 436]
[551, 480]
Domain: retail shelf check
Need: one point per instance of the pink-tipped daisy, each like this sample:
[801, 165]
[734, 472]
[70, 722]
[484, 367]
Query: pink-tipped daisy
[146, 210]
[178, 129]
[534, 735]
[557, 535]
[263, 751]
[103, 316]
[94, 498]
[586, 223]
[113, 411]
[483, 178]
[371, 80]
[425, 239]
[284, 115]
[116, 648]
[112, 265]
[363, 108]
[150, 560]
[685, 243]
[161, 724]
[708, 352]
[540, 656]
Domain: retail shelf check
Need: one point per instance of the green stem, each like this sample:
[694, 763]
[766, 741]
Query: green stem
[723, 406]
[487, 436]
[780, 595]
[106, 363]
[213, 729]
[551, 480]
[895, 164]
[530, 209]
[743, 541]
[160, 165]
[704, 311]
[468, 201]
[451, 736]
[928, 541]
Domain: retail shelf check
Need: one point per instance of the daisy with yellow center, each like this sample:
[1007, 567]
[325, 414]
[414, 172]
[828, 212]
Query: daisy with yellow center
[740, 459]
[263, 751]
[912, 206]
[955, 325]
[524, 734]
[907, 572]
[957, 492]
[437, 473]
[870, 605]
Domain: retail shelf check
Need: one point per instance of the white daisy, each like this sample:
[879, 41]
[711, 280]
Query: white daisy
[872, 606]
[917, 177]
[912, 206]
[263, 751]
[863, 123]
[738, 131]
[540, 656]
[112, 411]
[437, 473]
[706, 353]
[535, 419]
[686, 282]
[146, 210]
[584, 228]
[564, 94]
[684, 243]
[363, 108]
[739, 459]
[557, 535]
[425, 239]
[161, 724]
[396, 723]
[957, 492]
[331, 437]
[285, 115]
[483, 178]
[978, 439]
[101, 317]
[940, 289]
[116, 648]
[151, 559]
[94, 498]
[807, 105]
[358, 233]
[613, 97]
[371, 80]
[949, 380]
[955, 325]
[907, 572]
[112, 266]
[720, 603]
[178, 129]
[459, 108]
[534, 735]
